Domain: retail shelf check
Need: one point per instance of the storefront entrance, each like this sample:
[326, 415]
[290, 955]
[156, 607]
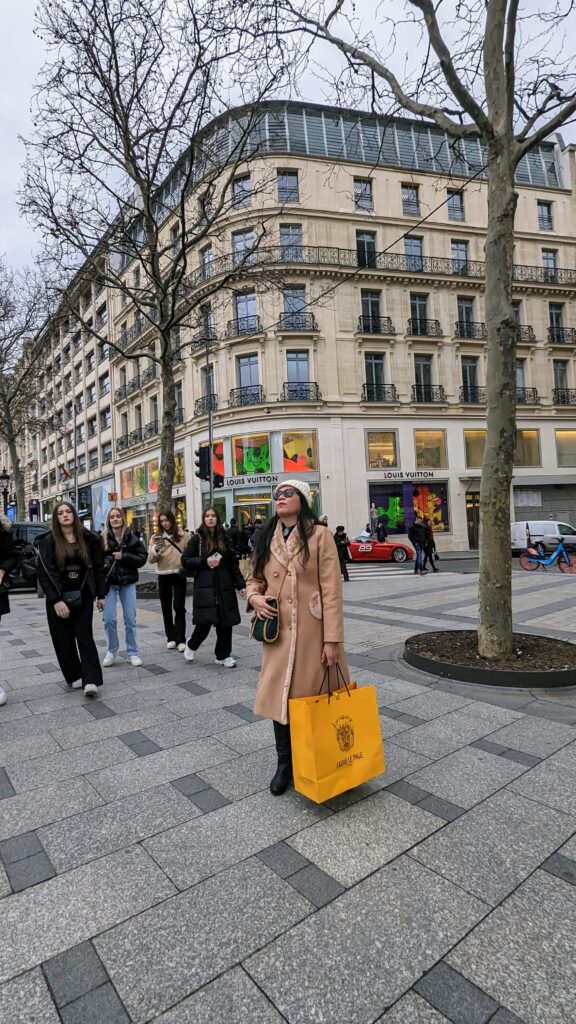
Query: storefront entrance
[245, 510]
[473, 519]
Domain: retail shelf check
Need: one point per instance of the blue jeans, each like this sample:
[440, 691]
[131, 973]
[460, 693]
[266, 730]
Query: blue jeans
[419, 552]
[127, 597]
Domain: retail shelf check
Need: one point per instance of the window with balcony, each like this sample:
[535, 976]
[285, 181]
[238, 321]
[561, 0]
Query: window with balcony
[520, 374]
[414, 253]
[560, 370]
[207, 376]
[154, 411]
[206, 257]
[556, 321]
[175, 235]
[410, 201]
[291, 242]
[298, 370]
[470, 388]
[179, 398]
[246, 317]
[527, 448]
[371, 319]
[545, 216]
[294, 299]
[430, 448]
[423, 377]
[418, 314]
[363, 197]
[241, 192]
[206, 321]
[374, 369]
[105, 419]
[455, 205]
[124, 424]
[550, 264]
[287, 185]
[242, 246]
[366, 248]
[138, 417]
[459, 253]
[382, 449]
[247, 373]
[566, 448]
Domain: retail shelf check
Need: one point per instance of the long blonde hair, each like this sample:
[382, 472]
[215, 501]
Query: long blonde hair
[108, 531]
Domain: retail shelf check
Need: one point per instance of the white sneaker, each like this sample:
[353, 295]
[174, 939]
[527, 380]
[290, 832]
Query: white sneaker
[228, 662]
[171, 645]
[188, 653]
[90, 689]
[182, 648]
[3, 697]
[110, 659]
[77, 684]
[135, 660]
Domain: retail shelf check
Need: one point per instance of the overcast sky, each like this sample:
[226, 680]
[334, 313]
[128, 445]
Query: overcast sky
[22, 57]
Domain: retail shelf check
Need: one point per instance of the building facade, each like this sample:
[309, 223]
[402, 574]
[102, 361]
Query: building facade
[351, 350]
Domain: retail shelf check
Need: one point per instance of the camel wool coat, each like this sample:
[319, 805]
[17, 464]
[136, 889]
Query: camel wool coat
[311, 614]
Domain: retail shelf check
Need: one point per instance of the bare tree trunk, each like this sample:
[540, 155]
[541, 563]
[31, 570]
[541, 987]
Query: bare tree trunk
[495, 586]
[166, 475]
[18, 478]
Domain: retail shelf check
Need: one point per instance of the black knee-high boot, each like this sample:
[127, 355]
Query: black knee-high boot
[283, 776]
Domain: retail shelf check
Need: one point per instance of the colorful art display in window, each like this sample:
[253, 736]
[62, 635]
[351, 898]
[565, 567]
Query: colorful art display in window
[251, 454]
[400, 503]
[299, 451]
[218, 463]
[153, 471]
[139, 482]
[179, 475]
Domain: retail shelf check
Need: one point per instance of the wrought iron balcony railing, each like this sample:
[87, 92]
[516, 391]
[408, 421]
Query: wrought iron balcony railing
[419, 326]
[149, 374]
[379, 393]
[297, 322]
[375, 325]
[107, 457]
[472, 395]
[179, 416]
[253, 394]
[133, 385]
[202, 405]
[122, 442]
[527, 396]
[428, 393]
[564, 396]
[244, 325]
[525, 332]
[135, 436]
[470, 329]
[119, 393]
[300, 391]
[562, 335]
[150, 429]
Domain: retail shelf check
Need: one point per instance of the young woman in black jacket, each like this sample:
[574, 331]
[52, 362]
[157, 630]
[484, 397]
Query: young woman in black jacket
[8, 562]
[209, 558]
[71, 574]
[124, 554]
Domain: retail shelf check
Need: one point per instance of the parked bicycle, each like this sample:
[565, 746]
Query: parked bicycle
[533, 558]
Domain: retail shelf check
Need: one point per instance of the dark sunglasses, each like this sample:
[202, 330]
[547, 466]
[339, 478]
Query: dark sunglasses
[285, 492]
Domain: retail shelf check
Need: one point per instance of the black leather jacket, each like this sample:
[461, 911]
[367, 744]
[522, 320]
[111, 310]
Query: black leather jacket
[50, 577]
[120, 572]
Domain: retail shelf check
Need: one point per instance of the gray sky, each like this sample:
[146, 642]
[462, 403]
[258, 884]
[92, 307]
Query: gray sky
[22, 57]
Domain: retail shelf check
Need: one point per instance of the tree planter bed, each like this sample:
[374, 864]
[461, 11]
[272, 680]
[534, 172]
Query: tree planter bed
[539, 661]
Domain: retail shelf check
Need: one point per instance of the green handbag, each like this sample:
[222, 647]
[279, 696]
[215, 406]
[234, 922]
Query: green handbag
[265, 631]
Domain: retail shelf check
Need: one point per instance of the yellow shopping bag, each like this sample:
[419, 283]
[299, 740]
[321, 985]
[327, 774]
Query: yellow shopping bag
[336, 741]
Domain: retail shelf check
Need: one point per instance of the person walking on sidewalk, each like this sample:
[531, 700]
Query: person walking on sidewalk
[210, 559]
[429, 546]
[296, 564]
[342, 542]
[71, 574]
[8, 561]
[165, 552]
[417, 537]
[124, 554]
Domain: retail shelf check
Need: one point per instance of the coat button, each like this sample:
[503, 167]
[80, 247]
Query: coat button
[289, 600]
[275, 573]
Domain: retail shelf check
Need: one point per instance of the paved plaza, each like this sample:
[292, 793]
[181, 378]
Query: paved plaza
[147, 874]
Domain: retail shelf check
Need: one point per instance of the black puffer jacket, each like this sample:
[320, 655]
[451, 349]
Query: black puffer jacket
[8, 559]
[49, 575]
[214, 601]
[122, 571]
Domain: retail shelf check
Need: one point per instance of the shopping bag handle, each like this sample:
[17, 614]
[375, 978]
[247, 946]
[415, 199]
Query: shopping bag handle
[339, 678]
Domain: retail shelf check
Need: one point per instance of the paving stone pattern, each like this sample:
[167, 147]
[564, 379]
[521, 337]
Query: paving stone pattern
[148, 875]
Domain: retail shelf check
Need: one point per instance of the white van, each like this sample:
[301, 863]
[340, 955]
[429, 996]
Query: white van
[548, 532]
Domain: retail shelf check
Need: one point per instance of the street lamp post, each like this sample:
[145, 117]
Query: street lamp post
[4, 481]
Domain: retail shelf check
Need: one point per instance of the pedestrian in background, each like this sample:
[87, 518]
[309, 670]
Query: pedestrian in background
[342, 542]
[297, 564]
[211, 560]
[429, 546]
[235, 537]
[417, 537]
[165, 552]
[71, 574]
[324, 521]
[8, 561]
[382, 530]
[124, 554]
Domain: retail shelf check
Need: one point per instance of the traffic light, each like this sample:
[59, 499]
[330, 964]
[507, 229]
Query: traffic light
[202, 460]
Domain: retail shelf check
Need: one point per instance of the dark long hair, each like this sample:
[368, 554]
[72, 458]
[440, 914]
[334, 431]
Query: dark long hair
[306, 524]
[213, 540]
[61, 546]
[174, 530]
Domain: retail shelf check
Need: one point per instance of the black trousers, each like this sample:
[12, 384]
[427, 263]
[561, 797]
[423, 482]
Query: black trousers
[429, 557]
[223, 647]
[344, 570]
[74, 645]
[172, 591]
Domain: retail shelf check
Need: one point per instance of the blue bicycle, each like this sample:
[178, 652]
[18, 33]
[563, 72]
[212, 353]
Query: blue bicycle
[534, 557]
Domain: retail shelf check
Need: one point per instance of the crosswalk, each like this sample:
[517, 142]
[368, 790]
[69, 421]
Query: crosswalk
[365, 571]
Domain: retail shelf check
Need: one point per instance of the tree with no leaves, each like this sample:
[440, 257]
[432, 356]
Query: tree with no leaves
[21, 309]
[496, 69]
[132, 163]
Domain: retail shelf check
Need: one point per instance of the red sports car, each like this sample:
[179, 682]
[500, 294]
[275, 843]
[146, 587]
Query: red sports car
[373, 550]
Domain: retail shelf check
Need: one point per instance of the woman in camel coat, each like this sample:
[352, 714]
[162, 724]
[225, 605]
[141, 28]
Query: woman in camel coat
[297, 563]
